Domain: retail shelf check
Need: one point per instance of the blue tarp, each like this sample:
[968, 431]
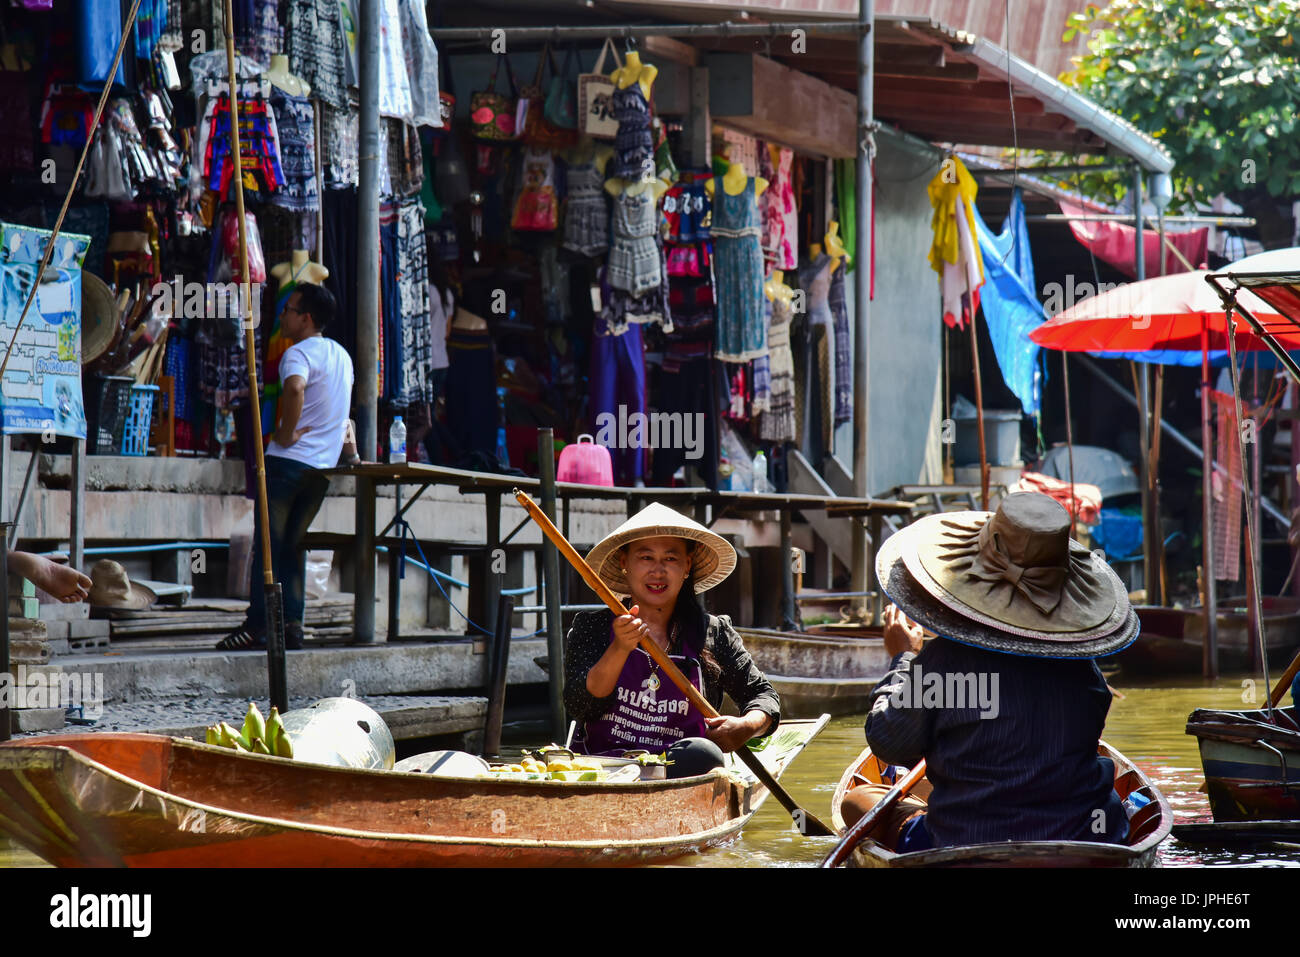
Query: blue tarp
[1010, 306]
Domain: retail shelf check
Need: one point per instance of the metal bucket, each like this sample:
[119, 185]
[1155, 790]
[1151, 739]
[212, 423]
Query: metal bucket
[342, 732]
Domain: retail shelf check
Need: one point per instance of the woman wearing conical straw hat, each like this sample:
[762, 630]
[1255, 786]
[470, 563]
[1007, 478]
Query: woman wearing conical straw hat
[1007, 705]
[614, 690]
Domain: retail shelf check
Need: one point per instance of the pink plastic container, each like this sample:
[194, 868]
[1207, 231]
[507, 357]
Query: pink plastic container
[586, 463]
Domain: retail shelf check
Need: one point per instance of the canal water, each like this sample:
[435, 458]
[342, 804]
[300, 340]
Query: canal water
[1146, 725]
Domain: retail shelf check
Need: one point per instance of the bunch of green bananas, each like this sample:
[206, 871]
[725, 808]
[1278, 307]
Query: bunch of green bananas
[258, 735]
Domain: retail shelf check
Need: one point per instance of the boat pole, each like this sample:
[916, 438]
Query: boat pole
[863, 826]
[275, 666]
[806, 821]
[1150, 527]
[8, 682]
[1209, 600]
[1252, 528]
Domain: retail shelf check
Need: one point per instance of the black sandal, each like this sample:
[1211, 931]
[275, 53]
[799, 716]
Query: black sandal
[241, 640]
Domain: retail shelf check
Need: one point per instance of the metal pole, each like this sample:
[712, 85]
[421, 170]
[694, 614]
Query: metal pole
[77, 523]
[1149, 574]
[559, 34]
[9, 683]
[862, 295]
[367, 355]
[551, 591]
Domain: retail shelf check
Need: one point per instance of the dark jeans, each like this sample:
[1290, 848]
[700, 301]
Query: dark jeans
[294, 493]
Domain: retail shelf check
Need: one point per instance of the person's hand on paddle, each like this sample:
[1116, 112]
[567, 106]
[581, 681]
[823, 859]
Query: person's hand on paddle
[628, 630]
[730, 732]
[901, 633]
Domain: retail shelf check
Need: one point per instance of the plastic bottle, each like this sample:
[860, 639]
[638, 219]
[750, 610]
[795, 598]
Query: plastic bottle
[760, 472]
[397, 441]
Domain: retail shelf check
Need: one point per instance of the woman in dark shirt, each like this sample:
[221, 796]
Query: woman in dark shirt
[614, 689]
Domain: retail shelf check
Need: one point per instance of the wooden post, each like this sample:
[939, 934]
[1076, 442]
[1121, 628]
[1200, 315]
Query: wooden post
[77, 520]
[498, 668]
[1209, 604]
[395, 562]
[979, 414]
[363, 579]
[551, 594]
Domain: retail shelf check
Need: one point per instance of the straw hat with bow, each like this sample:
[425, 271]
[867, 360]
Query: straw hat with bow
[1011, 581]
[712, 560]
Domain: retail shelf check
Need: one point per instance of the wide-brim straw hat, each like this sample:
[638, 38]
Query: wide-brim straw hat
[1011, 581]
[111, 587]
[711, 562]
[99, 317]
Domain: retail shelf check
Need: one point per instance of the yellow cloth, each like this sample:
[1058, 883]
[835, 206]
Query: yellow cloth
[952, 182]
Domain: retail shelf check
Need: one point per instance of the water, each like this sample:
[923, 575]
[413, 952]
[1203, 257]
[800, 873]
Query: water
[1146, 724]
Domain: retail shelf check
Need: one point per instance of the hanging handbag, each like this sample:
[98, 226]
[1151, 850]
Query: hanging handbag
[561, 108]
[446, 101]
[528, 109]
[596, 95]
[492, 114]
[540, 131]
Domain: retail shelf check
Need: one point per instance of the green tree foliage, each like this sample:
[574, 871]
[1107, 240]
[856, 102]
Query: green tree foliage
[1217, 81]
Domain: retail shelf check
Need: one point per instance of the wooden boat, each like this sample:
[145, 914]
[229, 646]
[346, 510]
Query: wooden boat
[1239, 832]
[1147, 828]
[139, 800]
[1252, 768]
[817, 674]
[1172, 638]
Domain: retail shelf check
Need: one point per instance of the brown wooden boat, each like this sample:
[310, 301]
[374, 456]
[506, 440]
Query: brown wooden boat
[1171, 638]
[817, 673]
[1252, 767]
[1147, 828]
[139, 800]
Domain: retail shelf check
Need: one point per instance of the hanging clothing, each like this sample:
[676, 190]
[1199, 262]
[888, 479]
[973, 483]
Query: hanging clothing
[421, 65]
[257, 30]
[686, 208]
[777, 424]
[394, 82]
[586, 210]
[738, 274]
[618, 379]
[413, 290]
[259, 144]
[390, 326]
[295, 125]
[621, 308]
[843, 358]
[340, 227]
[401, 168]
[442, 306]
[340, 147]
[634, 258]
[470, 392]
[634, 149]
[17, 150]
[780, 216]
[313, 41]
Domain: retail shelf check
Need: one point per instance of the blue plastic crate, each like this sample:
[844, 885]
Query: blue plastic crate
[135, 437]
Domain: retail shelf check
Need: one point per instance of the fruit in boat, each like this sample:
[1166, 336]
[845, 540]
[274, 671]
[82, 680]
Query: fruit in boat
[254, 724]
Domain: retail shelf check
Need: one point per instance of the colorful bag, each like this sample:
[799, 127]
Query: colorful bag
[536, 207]
[492, 114]
[585, 462]
[561, 108]
[446, 102]
[540, 131]
[528, 108]
[596, 98]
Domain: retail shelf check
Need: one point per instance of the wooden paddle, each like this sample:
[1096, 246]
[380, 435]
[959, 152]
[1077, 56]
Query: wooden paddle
[808, 824]
[854, 835]
[1284, 683]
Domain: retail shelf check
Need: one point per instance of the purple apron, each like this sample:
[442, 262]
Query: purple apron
[649, 712]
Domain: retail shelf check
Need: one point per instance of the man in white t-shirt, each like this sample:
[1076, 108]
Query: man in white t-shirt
[316, 376]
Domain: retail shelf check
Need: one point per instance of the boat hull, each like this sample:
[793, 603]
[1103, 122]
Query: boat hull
[817, 674]
[1252, 768]
[112, 800]
[1148, 830]
[1171, 639]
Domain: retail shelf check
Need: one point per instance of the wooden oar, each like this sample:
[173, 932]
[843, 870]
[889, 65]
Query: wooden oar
[808, 823]
[1284, 683]
[854, 835]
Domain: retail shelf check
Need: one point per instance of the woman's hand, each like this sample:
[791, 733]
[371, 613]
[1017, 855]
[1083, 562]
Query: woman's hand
[731, 733]
[628, 630]
[901, 633]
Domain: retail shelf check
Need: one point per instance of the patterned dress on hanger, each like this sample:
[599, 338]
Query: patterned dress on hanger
[738, 274]
[634, 156]
[586, 211]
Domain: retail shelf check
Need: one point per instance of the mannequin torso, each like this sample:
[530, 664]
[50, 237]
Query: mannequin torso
[634, 71]
[468, 321]
[279, 75]
[734, 182]
[300, 268]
